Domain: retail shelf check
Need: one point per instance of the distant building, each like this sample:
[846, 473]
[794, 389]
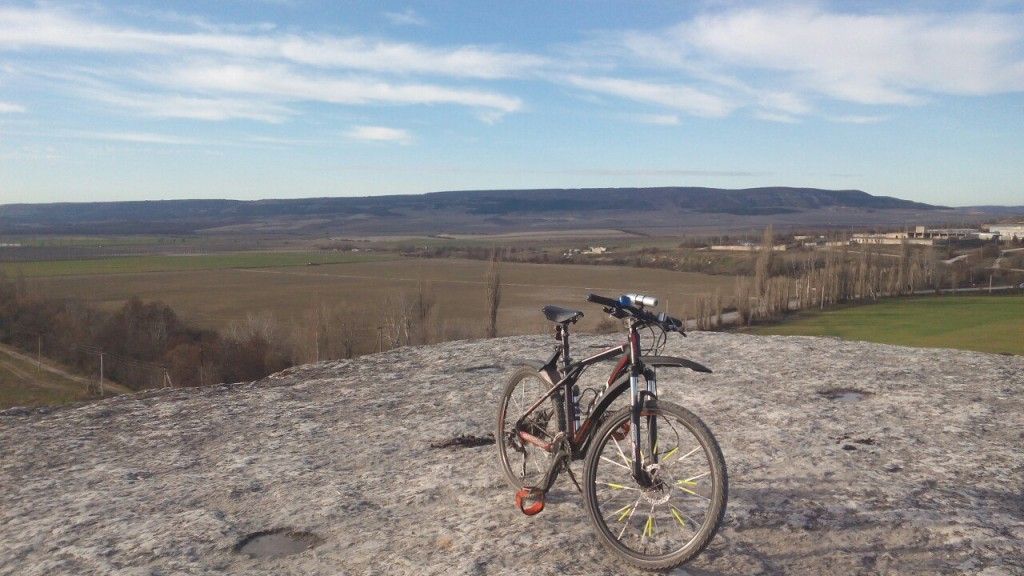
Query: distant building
[945, 233]
[1007, 232]
[595, 250]
[886, 238]
[746, 247]
[920, 236]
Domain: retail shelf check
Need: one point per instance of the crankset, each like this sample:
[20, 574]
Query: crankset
[530, 499]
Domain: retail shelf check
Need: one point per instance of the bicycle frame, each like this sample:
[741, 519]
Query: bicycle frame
[629, 369]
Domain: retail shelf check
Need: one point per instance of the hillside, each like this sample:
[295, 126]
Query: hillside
[844, 458]
[481, 210]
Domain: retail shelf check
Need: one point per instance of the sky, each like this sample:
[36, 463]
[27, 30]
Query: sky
[251, 99]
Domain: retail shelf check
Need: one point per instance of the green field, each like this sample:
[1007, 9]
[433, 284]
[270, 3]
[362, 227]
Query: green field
[982, 323]
[160, 263]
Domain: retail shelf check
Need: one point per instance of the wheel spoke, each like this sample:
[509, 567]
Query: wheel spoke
[629, 463]
[610, 461]
[631, 510]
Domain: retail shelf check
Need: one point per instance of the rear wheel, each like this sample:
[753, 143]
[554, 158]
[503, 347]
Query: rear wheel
[524, 464]
[668, 523]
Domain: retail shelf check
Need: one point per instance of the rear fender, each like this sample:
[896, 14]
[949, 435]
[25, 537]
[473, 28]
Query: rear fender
[548, 371]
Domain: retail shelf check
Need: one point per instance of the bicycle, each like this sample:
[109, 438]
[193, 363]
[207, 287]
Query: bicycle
[655, 500]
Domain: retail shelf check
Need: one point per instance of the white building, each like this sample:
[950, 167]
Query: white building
[1007, 232]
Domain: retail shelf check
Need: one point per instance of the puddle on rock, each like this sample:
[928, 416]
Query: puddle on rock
[844, 394]
[277, 543]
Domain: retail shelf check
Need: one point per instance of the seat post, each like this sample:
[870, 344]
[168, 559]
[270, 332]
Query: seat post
[565, 347]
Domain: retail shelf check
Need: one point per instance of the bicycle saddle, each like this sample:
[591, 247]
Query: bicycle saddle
[561, 315]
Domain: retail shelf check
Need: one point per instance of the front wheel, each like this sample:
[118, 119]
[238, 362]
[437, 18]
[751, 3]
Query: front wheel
[668, 522]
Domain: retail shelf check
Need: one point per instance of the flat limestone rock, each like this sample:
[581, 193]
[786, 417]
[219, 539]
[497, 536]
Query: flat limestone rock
[844, 458]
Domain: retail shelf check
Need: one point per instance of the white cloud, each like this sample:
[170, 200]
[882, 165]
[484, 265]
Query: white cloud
[282, 82]
[54, 28]
[407, 17]
[138, 138]
[677, 96]
[258, 74]
[657, 119]
[380, 134]
[880, 58]
[858, 119]
[782, 118]
[162, 105]
[11, 108]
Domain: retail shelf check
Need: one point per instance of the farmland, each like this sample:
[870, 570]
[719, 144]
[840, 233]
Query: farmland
[215, 290]
[982, 323]
[180, 263]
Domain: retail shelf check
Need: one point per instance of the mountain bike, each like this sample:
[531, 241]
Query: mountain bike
[654, 479]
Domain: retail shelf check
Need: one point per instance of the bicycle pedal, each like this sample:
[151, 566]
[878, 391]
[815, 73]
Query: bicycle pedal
[530, 493]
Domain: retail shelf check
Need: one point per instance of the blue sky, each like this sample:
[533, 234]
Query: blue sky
[294, 98]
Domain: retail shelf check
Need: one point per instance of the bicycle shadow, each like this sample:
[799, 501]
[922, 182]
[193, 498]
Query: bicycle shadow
[806, 527]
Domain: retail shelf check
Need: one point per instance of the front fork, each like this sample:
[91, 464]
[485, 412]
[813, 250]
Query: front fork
[638, 400]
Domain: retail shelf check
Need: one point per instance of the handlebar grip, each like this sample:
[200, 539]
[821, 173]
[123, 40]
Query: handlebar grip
[610, 302]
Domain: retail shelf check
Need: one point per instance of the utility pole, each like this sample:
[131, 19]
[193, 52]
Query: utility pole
[380, 339]
[101, 373]
[39, 352]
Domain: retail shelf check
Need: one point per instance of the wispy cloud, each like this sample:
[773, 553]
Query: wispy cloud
[55, 28]
[380, 134]
[169, 105]
[779, 117]
[407, 17]
[138, 138]
[677, 96]
[283, 82]
[656, 119]
[11, 108]
[858, 119]
[214, 72]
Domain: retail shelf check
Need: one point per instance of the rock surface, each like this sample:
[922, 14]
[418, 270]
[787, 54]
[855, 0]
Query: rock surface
[844, 458]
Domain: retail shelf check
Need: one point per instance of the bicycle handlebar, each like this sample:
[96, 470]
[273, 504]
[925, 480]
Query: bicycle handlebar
[666, 322]
[603, 301]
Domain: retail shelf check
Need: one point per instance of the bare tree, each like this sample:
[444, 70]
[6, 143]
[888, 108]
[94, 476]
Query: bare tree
[493, 296]
[762, 268]
[421, 314]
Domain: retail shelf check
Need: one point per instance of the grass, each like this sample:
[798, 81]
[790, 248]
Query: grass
[160, 263]
[23, 383]
[981, 323]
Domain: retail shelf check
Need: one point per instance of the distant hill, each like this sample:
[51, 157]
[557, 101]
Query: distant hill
[470, 210]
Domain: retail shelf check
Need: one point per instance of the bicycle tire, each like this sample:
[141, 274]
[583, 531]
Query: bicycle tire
[717, 492]
[519, 479]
